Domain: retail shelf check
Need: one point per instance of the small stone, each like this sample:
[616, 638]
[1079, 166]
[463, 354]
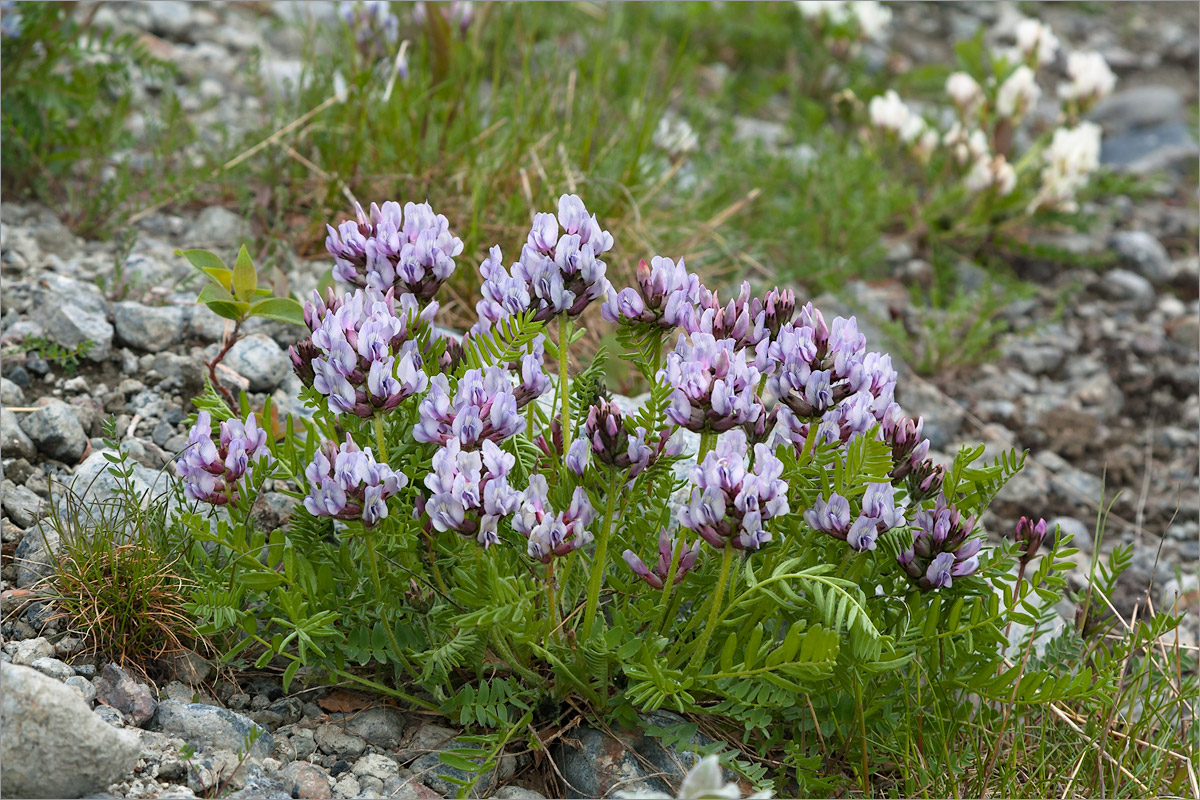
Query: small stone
[188, 667]
[304, 742]
[10, 393]
[347, 786]
[375, 765]
[117, 688]
[13, 441]
[305, 780]
[1143, 254]
[259, 360]
[517, 793]
[31, 650]
[149, 328]
[333, 740]
[217, 226]
[85, 688]
[53, 668]
[56, 431]
[381, 726]
[51, 744]
[210, 728]
[23, 506]
[1125, 286]
[70, 326]
[110, 716]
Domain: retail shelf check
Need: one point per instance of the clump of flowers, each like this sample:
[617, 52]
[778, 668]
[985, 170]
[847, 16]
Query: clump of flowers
[607, 440]
[347, 483]
[1071, 158]
[661, 573]
[470, 490]
[376, 29]
[483, 407]
[715, 384]
[551, 534]
[666, 296]
[410, 251]
[730, 504]
[869, 18]
[879, 514]
[942, 548]
[360, 355]
[221, 472]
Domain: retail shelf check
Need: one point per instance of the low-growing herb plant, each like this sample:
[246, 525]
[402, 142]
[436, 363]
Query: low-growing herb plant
[487, 537]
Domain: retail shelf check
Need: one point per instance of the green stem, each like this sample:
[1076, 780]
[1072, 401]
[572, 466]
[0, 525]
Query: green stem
[564, 382]
[379, 439]
[665, 603]
[382, 689]
[597, 576]
[702, 642]
[551, 600]
[707, 439]
[373, 560]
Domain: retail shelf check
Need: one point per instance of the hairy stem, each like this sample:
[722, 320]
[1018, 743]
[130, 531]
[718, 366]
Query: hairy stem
[665, 603]
[564, 382]
[707, 439]
[702, 642]
[597, 576]
[379, 438]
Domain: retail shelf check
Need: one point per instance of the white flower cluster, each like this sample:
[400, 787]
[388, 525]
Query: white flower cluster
[872, 18]
[1073, 153]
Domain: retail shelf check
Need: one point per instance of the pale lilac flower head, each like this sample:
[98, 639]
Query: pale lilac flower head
[376, 29]
[469, 489]
[562, 271]
[942, 548]
[483, 406]
[347, 483]
[613, 444]
[666, 296]
[657, 577]
[360, 354]
[745, 319]
[1029, 535]
[410, 251]
[1091, 79]
[221, 473]
[549, 533]
[730, 504]
[503, 294]
[715, 385]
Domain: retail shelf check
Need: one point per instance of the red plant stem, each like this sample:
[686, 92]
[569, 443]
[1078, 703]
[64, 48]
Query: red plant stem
[212, 365]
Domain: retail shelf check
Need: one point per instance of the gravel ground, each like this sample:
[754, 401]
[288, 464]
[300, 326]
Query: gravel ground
[1103, 393]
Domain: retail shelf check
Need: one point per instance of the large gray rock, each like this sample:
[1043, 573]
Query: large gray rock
[150, 328]
[217, 226]
[259, 360]
[1143, 254]
[23, 506]
[14, 443]
[209, 728]
[70, 325]
[1140, 107]
[51, 743]
[56, 431]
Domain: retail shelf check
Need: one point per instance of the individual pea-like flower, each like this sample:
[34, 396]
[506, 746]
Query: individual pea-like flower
[1072, 156]
[666, 296]
[964, 90]
[1091, 79]
[662, 568]
[1036, 42]
[1029, 535]
[1019, 93]
[347, 483]
[533, 379]
[715, 385]
[483, 407]
[411, 250]
[221, 473]
[993, 173]
[730, 505]
[942, 548]
[376, 29]
[470, 490]
[552, 534]
[563, 272]
[360, 354]
[879, 514]
[830, 515]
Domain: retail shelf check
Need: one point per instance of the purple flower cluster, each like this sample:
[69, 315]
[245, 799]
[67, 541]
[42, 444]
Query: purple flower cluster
[666, 297]
[348, 484]
[556, 274]
[879, 513]
[1029, 535]
[716, 388]
[470, 490]
[220, 473]
[411, 251]
[359, 354]
[374, 25]
[552, 534]
[607, 438]
[666, 553]
[749, 321]
[730, 504]
[942, 547]
[483, 407]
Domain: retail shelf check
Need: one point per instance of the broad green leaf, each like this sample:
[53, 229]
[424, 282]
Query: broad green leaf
[202, 260]
[245, 279]
[458, 762]
[284, 309]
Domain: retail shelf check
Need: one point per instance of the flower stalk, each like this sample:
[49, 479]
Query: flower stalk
[600, 561]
